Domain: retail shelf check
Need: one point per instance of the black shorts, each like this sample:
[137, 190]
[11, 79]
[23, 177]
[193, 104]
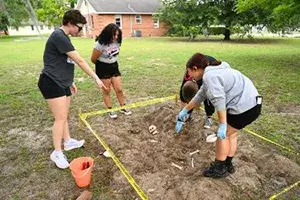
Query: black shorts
[50, 89]
[106, 71]
[241, 120]
[199, 83]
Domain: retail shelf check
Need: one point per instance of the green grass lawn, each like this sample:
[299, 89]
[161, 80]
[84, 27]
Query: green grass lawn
[154, 67]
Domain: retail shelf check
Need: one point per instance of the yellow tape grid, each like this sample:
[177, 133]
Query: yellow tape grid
[130, 179]
[118, 163]
[284, 191]
[133, 105]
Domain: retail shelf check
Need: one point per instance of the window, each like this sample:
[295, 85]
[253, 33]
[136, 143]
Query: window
[32, 27]
[118, 21]
[138, 19]
[155, 23]
[42, 27]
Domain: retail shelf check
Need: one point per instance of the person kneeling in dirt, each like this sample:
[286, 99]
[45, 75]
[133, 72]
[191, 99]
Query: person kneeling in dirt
[237, 103]
[208, 107]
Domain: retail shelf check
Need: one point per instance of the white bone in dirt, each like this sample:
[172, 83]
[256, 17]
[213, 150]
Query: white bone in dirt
[175, 165]
[193, 162]
[211, 138]
[154, 132]
[197, 151]
[152, 128]
[106, 154]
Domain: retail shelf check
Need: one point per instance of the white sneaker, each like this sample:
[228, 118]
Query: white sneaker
[60, 159]
[73, 144]
[208, 123]
[112, 114]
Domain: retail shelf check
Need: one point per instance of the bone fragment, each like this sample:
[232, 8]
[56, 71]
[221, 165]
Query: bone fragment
[174, 165]
[197, 151]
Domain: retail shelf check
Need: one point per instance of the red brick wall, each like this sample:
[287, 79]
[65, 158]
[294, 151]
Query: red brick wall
[146, 27]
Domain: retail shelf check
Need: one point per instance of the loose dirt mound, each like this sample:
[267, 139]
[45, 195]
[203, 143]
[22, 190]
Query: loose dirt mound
[261, 171]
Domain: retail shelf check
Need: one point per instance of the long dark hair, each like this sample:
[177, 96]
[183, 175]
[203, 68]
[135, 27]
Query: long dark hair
[201, 61]
[107, 34]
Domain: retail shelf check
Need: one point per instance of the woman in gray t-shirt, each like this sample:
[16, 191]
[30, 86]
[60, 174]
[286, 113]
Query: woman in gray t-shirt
[56, 82]
[105, 57]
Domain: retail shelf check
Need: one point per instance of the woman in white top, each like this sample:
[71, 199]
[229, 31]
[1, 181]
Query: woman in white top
[105, 57]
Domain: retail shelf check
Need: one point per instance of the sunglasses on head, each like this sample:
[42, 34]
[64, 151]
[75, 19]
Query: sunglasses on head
[79, 27]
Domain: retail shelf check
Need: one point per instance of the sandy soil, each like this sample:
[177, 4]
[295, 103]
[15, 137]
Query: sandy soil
[261, 170]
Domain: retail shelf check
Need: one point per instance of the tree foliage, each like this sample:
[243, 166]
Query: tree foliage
[284, 15]
[16, 13]
[192, 16]
[13, 13]
[186, 17]
[51, 11]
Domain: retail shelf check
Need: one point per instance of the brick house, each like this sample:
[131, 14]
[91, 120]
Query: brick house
[134, 17]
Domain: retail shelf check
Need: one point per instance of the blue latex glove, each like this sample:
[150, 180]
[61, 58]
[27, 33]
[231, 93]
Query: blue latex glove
[183, 115]
[222, 131]
[178, 126]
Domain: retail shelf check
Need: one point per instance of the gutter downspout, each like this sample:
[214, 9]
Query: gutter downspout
[131, 32]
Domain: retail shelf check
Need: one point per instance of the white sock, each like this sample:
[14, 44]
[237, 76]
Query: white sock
[69, 140]
[57, 152]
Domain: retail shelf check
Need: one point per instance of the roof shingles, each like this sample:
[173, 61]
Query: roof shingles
[125, 6]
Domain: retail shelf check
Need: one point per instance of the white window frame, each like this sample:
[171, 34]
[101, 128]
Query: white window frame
[120, 18]
[138, 17]
[155, 23]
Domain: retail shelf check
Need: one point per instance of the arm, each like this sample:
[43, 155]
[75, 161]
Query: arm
[74, 55]
[199, 97]
[222, 116]
[192, 104]
[95, 55]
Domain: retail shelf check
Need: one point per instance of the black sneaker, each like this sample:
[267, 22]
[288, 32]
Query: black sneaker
[216, 170]
[230, 168]
[126, 111]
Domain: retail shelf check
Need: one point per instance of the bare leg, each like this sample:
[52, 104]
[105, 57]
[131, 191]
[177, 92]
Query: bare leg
[232, 133]
[66, 135]
[222, 149]
[106, 94]
[59, 108]
[228, 146]
[117, 84]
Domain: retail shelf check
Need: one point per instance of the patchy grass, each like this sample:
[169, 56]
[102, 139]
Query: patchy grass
[151, 67]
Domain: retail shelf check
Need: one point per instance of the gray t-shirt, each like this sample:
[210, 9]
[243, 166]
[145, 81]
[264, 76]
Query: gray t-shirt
[227, 89]
[57, 65]
[109, 52]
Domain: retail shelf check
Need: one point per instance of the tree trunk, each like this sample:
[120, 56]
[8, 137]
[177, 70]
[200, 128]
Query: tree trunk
[32, 16]
[227, 34]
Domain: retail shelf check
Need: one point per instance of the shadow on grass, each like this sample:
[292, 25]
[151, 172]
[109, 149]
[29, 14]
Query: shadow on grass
[233, 41]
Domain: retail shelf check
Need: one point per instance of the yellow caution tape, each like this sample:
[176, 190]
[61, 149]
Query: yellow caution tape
[118, 163]
[133, 105]
[130, 179]
[268, 140]
[284, 191]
